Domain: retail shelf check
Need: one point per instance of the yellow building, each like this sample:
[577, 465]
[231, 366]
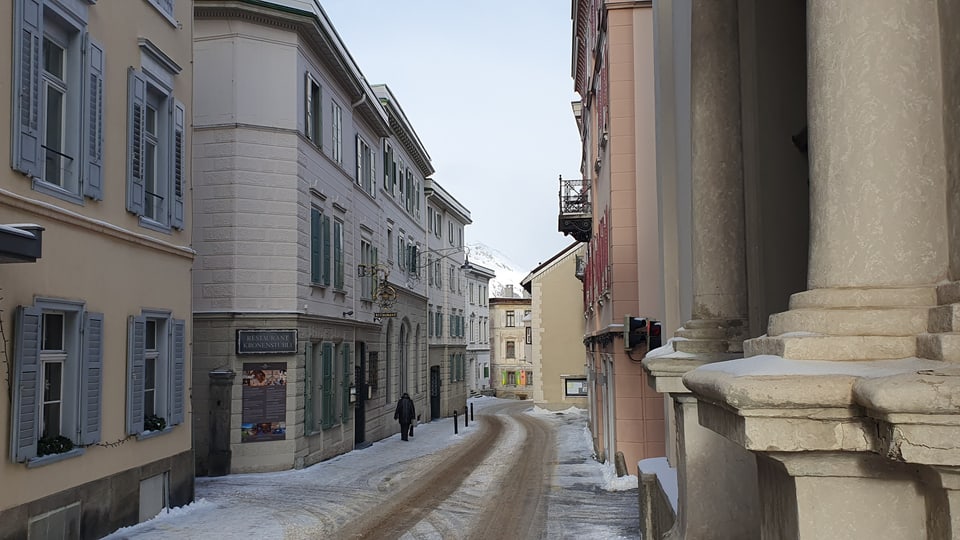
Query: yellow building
[554, 335]
[95, 321]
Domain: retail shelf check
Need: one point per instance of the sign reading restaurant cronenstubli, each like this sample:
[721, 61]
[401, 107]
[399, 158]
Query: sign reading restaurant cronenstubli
[259, 341]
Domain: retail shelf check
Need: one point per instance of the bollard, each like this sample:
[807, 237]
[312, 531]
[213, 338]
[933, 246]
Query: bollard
[455, 429]
[466, 421]
[471, 411]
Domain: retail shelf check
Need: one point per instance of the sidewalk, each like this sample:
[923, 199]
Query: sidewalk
[588, 501]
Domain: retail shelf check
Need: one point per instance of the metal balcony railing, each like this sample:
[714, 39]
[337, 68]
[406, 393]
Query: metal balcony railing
[576, 212]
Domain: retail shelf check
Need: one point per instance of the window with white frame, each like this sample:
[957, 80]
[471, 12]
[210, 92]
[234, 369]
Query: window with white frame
[156, 139]
[156, 345]
[511, 318]
[336, 126]
[450, 237]
[439, 272]
[57, 382]
[366, 167]
[452, 281]
[313, 115]
[57, 115]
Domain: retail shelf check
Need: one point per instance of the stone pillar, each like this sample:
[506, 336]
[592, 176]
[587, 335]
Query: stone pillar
[877, 165]
[719, 256]
[221, 392]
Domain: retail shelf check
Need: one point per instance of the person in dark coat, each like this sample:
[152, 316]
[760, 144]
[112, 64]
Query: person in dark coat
[405, 414]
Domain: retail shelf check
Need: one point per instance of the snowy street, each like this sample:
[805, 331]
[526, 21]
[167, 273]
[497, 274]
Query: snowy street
[427, 488]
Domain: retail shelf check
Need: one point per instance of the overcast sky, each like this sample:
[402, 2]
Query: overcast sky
[487, 88]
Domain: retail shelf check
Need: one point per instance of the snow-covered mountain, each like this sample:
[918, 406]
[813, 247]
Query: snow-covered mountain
[508, 273]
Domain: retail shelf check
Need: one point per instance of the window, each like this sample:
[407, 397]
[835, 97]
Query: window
[430, 320]
[319, 247]
[336, 126]
[510, 378]
[439, 325]
[473, 328]
[165, 7]
[57, 116]
[429, 219]
[327, 383]
[438, 226]
[156, 346]
[511, 349]
[337, 254]
[390, 245]
[510, 318]
[526, 378]
[452, 281]
[312, 114]
[402, 252]
[529, 335]
[156, 139]
[450, 232]
[368, 258]
[439, 272]
[366, 167]
[429, 269]
[471, 293]
[57, 364]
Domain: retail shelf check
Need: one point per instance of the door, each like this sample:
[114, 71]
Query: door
[360, 380]
[434, 391]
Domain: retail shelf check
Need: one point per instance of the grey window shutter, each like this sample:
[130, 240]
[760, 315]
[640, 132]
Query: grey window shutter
[327, 404]
[325, 231]
[91, 378]
[136, 118]
[179, 140]
[308, 388]
[27, 386]
[136, 370]
[307, 107]
[345, 412]
[359, 167]
[177, 372]
[93, 122]
[28, 36]
[315, 242]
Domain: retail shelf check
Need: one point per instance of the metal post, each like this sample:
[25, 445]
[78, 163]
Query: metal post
[471, 411]
[466, 421]
[455, 427]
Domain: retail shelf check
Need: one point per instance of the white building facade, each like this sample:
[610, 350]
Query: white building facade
[478, 279]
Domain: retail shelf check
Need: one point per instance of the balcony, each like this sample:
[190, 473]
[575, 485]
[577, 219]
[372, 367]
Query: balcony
[576, 216]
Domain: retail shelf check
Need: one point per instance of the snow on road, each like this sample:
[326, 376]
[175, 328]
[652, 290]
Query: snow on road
[587, 500]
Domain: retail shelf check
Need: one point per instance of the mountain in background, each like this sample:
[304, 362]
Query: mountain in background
[508, 273]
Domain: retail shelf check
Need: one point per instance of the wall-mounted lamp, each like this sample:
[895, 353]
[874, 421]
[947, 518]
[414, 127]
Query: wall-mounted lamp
[347, 313]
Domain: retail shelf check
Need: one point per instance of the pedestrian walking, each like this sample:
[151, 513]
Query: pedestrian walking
[405, 413]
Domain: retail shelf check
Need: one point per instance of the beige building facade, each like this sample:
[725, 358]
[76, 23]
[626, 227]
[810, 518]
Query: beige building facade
[814, 387]
[511, 370]
[554, 335]
[95, 312]
[613, 208]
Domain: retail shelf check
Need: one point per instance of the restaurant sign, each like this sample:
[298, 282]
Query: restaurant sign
[257, 341]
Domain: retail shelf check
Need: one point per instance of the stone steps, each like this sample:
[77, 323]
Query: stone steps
[944, 346]
[902, 321]
[822, 347]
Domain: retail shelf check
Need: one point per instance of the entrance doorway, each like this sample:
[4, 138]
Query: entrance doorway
[434, 392]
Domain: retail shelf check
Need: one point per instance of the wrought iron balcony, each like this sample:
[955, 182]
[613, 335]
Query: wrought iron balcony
[576, 213]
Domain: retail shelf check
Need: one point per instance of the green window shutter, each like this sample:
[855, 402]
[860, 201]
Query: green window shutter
[345, 411]
[177, 391]
[338, 254]
[503, 378]
[91, 378]
[27, 53]
[315, 243]
[308, 388]
[92, 117]
[27, 384]
[136, 120]
[136, 372]
[325, 232]
[327, 389]
[453, 370]
[176, 218]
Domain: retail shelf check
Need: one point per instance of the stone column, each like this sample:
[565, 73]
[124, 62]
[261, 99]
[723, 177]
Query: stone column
[221, 392]
[719, 262]
[877, 165]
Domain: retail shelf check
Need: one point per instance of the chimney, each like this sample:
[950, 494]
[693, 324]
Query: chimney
[508, 291]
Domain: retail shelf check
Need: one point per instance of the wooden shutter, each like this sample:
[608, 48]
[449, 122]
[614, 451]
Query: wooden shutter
[177, 373]
[27, 384]
[453, 369]
[327, 388]
[359, 167]
[345, 389]
[27, 41]
[338, 254]
[91, 378]
[308, 127]
[136, 370]
[179, 123]
[93, 122]
[308, 389]
[136, 118]
[325, 231]
[315, 243]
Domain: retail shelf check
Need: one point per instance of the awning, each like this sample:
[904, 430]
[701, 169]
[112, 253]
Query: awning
[20, 243]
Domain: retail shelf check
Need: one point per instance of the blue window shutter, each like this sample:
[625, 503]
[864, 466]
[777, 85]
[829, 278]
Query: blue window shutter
[345, 412]
[136, 370]
[308, 388]
[27, 385]
[315, 242]
[93, 122]
[325, 231]
[179, 140]
[91, 378]
[136, 118]
[326, 404]
[178, 372]
[28, 37]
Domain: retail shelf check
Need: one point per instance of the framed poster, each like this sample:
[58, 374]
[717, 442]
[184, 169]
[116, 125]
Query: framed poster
[264, 416]
[575, 387]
